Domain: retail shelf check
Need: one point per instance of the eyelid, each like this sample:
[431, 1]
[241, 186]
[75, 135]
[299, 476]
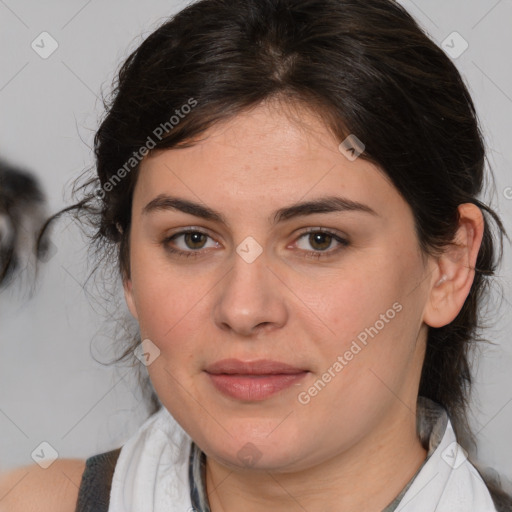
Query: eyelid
[319, 229]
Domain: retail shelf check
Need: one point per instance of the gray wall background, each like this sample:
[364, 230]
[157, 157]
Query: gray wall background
[51, 388]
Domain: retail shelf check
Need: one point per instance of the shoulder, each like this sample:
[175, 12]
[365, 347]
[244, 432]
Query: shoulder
[31, 488]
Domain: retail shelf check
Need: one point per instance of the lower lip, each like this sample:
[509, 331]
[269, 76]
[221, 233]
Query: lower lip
[254, 387]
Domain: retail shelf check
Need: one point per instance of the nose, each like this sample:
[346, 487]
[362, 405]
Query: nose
[250, 299]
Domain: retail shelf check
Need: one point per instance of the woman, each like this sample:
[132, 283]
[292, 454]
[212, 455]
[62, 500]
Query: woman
[291, 188]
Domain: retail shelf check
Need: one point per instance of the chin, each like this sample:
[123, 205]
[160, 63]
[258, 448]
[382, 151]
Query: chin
[256, 450]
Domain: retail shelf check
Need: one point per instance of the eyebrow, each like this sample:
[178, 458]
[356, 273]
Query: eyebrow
[327, 204]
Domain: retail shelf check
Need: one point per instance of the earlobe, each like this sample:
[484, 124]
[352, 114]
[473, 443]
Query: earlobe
[128, 295]
[455, 269]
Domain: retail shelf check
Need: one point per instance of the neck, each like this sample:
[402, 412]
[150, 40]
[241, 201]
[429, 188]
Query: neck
[364, 479]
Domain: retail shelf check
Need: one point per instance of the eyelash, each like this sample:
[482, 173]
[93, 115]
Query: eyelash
[308, 254]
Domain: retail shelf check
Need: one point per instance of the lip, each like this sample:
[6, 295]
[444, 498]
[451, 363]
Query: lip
[253, 380]
[259, 367]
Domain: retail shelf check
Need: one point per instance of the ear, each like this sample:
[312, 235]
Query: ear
[128, 296]
[454, 270]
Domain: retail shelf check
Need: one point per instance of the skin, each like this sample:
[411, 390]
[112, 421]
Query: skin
[34, 489]
[353, 446]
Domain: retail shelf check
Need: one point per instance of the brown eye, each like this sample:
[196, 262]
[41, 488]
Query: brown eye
[195, 240]
[320, 241]
[189, 243]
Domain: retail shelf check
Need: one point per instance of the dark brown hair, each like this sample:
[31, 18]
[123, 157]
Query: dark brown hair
[366, 68]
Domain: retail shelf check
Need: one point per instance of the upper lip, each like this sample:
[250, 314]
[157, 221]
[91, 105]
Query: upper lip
[259, 367]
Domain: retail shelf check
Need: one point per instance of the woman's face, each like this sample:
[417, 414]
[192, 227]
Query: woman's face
[343, 309]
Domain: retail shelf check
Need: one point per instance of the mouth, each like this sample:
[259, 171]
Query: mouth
[253, 380]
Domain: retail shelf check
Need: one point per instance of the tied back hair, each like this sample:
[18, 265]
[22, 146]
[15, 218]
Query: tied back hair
[365, 68]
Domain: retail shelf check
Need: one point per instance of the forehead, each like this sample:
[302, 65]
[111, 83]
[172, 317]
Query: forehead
[265, 157]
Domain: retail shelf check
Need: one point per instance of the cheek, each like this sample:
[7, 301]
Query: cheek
[370, 314]
[355, 296]
[164, 300]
